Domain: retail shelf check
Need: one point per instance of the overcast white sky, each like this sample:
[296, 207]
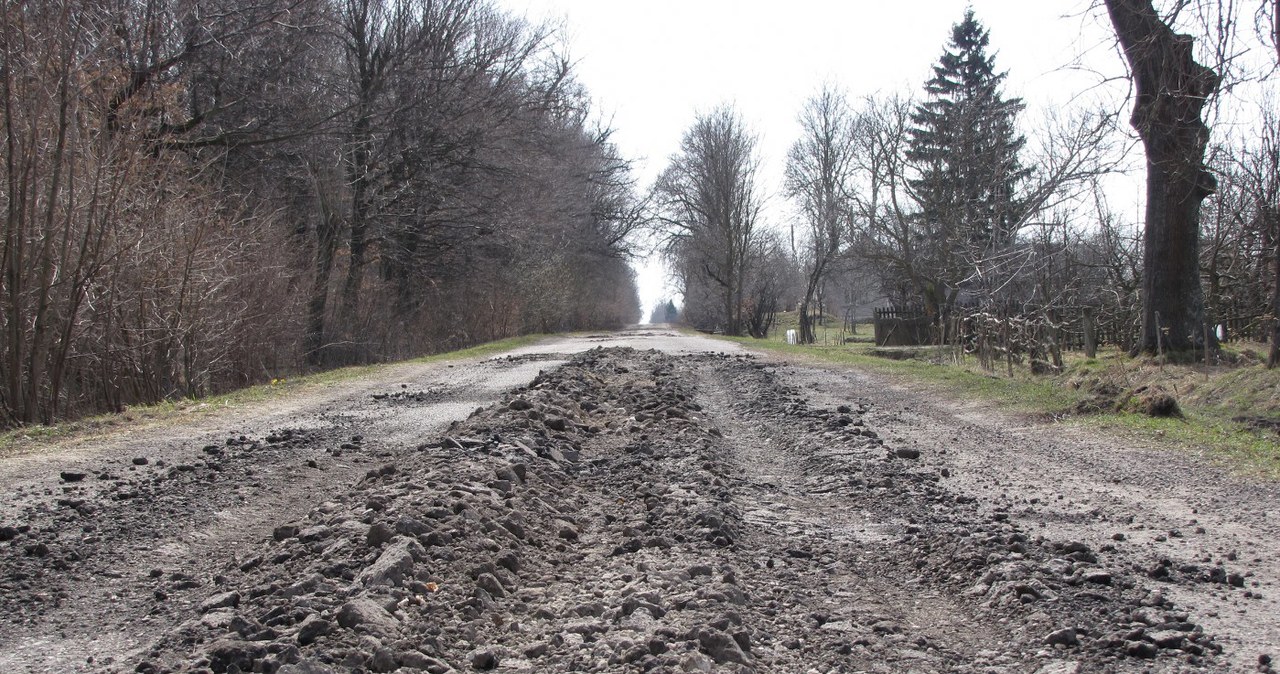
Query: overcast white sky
[652, 65]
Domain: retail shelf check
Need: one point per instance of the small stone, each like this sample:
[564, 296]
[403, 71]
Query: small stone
[306, 667]
[1065, 636]
[394, 565]
[886, 627]
[509, 561]
[489, 583]
[223, 600]
[568, 533]
[484, 660]
[225, 654]
[557, 423]
[1140, 649]
[383, 660]
[720, 646]
[367, 612]
[1060, 667]
[72, 476]
[1097, 577]
[696, 662]
[312, 628]
[519, 405]
[417, 660]
[699, 570]
[1167, 638]
[907, 453]
[378, 535]
[742, 637]
[140, 461]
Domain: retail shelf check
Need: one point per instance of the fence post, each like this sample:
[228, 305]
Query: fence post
[1090, 334]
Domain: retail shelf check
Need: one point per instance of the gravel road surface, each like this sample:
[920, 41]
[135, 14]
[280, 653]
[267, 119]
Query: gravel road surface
[641, 501]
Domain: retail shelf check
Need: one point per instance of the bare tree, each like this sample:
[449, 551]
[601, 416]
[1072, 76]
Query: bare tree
[709, 199]
[179, 181]
[819, 172]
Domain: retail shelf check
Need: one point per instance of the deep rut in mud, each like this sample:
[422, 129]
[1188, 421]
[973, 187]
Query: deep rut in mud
[636, 511]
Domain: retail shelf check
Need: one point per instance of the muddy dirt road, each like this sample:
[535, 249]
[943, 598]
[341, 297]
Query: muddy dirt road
[641, 501]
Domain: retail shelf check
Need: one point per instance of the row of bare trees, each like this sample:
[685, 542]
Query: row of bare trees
[199, 195]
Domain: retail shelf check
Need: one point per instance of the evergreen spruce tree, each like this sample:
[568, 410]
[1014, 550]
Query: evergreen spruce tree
[965, 147]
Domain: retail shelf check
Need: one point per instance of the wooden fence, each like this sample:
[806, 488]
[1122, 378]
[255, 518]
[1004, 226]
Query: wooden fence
[902, 326]
[910, 325]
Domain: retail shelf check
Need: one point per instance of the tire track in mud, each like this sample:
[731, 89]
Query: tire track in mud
[1013, 600]
[1203, 536]
[867, 613]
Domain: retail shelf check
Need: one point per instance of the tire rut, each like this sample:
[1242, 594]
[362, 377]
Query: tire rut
[868, 612]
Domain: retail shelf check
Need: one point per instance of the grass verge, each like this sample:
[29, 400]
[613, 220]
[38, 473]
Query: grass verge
[1230, 412]
[147, 416]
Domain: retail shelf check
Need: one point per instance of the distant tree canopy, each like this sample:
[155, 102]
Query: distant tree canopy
[203, 195]
[665, 312]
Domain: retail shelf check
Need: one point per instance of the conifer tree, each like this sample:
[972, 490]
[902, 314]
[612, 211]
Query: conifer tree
[964, 145]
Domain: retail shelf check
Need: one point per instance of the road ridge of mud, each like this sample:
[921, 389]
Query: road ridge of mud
[593, 521]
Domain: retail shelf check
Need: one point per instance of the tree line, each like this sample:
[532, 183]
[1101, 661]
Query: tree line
[942, 199]
[202, 195]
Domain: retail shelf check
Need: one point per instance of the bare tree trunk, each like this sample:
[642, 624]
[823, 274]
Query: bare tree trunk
[1171, 92]
[326, 246]
[1090, 334]
[1273, 355]
[360, 213]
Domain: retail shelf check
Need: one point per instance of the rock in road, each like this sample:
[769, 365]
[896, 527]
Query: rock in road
[632, 510]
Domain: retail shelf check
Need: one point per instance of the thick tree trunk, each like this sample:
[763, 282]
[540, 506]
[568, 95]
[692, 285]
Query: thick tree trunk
[1171, 91]
[806, 324]
[1172, 298]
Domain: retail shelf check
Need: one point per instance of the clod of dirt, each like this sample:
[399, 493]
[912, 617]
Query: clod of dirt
[1157, 403]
